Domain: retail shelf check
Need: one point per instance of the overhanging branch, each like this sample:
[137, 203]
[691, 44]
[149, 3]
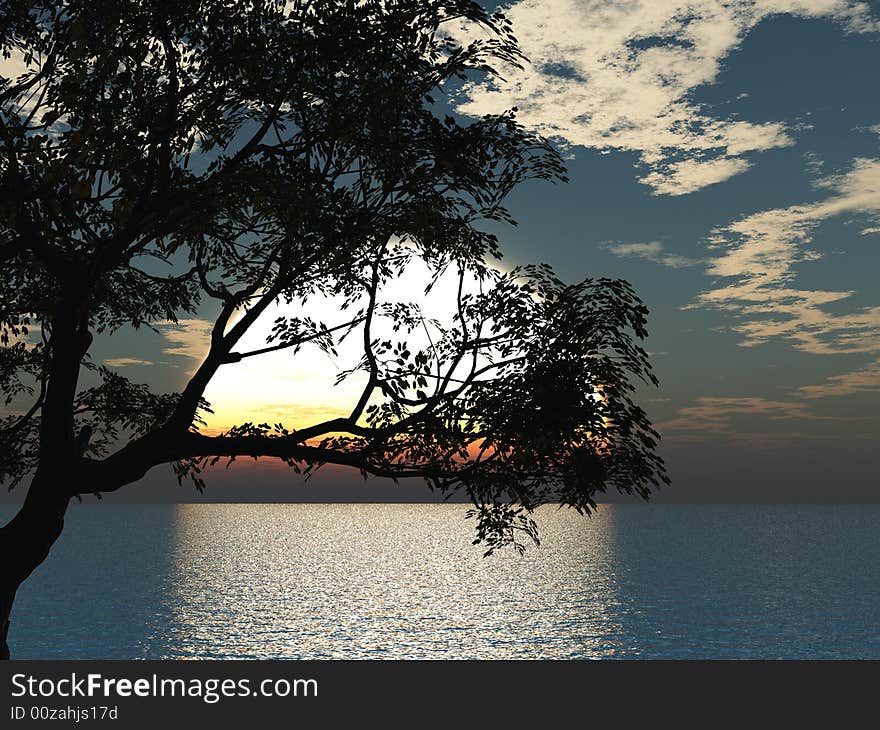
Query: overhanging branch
[134, 460]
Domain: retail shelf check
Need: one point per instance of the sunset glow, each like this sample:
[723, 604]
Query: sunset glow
[300, 389]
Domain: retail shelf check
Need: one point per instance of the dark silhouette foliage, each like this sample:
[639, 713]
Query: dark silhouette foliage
[158, 156]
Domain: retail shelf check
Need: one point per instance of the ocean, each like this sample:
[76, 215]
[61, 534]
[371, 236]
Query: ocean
[361, 581]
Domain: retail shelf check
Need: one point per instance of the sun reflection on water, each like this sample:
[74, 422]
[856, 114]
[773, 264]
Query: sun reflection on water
[386, 581]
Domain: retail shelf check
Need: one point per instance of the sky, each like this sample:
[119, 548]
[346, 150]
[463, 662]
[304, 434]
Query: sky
[724, 157]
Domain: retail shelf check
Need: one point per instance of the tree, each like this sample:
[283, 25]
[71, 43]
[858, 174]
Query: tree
[158, 157]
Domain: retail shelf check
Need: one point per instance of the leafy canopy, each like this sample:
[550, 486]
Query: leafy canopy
[160, 158]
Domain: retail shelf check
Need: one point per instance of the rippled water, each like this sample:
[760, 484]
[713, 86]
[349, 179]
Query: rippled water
[403, 581]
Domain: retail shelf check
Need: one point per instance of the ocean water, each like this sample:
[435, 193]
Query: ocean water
[403, 581]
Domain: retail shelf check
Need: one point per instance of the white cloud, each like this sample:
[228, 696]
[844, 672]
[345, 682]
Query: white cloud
[618, 75]
[762, 251]
[688, 176]
[187, 337]
[652, 251]
[11, 70]
[14, 67]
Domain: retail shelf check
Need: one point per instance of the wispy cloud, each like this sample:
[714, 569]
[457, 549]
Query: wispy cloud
[864, 380]
[121, 362]
[652, 251]
[742, 419]
[761, 252]
[714, 414]
[186, 337]
[613, 75]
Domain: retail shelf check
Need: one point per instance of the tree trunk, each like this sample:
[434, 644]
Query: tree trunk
[26, 540]
[25, 543]
[6, 600]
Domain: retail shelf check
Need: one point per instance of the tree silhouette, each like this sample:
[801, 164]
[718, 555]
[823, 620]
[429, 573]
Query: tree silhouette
[159, 156]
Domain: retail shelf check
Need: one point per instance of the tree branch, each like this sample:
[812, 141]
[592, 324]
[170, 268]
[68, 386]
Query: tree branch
[234, 357]
[133, 461]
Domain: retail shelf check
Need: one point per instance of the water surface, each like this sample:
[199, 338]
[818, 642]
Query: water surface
[403, 581]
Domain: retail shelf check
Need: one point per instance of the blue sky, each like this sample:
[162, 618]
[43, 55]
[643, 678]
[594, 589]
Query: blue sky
[724, 157]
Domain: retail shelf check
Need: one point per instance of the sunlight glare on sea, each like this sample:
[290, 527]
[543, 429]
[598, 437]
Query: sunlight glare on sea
[361, 581]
